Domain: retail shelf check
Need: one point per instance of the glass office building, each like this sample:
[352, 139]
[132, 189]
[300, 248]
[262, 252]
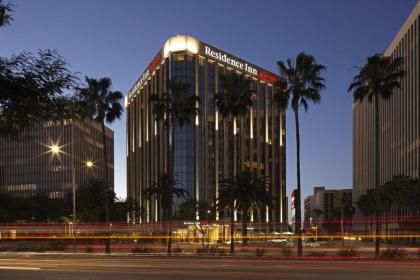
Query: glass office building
[204, 150]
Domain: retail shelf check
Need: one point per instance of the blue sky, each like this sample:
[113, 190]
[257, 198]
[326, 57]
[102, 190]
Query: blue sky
[118, 39]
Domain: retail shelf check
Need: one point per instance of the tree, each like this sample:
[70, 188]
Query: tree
[243, 192]
[304, 84]
[165, 188]
[31, 209]
[101, 104]
[5, 11]
[32, 90]
[172, 108]
[233, 102]
[377, 79]
[365, 205]
[90, 202]
[32, 87]
[189, 209]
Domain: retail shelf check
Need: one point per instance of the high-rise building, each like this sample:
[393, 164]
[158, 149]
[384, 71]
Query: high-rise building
[399, 141]
[204, 150]
[323, 208]
[43, 161]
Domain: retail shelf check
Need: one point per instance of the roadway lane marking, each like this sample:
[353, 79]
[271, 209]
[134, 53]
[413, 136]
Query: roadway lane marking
[19, 268]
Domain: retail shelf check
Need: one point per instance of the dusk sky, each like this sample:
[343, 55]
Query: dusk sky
[118, 39]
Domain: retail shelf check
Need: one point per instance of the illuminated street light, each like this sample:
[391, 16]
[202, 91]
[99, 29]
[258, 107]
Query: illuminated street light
[55, 149]
[89, 164]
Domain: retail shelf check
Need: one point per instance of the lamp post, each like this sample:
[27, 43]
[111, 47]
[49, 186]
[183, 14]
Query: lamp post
[55, 150]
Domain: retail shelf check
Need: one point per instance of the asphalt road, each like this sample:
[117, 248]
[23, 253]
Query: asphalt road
[121, 268]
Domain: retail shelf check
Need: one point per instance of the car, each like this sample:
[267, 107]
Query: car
[311, 244]
[279, 241]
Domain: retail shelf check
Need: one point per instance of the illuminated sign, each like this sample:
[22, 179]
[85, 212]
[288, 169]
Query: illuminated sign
[229, 60]
[293, 199]
[150, 69]
[267, 77]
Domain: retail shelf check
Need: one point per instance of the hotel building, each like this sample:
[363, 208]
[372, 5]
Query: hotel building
[399, 141]
[43, 162]
[204, 150]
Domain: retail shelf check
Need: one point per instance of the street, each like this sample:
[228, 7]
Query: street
[119, 267]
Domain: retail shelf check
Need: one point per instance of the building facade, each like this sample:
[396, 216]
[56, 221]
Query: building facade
[204, 152]
[322, 209]
[41, 163]
[399, 141]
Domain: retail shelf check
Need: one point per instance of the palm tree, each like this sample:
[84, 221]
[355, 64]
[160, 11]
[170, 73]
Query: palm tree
[304, 84]
[377, 79]
[102, 105]
[233, 102]
[164, 189]
[90, 200]
[243, 192]
[173, 108]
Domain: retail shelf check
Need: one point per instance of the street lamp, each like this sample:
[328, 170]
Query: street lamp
[56, 150]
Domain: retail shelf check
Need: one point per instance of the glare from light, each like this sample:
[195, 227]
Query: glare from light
[55, 149]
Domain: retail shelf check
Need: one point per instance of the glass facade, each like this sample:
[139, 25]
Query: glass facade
[206, 151]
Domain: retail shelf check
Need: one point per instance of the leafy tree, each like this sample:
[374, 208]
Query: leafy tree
[377, 79]
[365, 205]
[32, 90]
[243, 192]
[304, 84]
[172, 108]
[101, 104]
[5, 13]
[164, 189]
[32, 87]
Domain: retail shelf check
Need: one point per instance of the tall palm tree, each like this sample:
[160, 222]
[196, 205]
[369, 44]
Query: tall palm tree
[102, 105]
[233, 102]
[172, 108]
[304, 84]
[243, 192]
[377, 79]
[165, 188]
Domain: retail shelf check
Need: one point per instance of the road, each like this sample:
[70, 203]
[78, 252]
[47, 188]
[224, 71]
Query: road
[152, 268]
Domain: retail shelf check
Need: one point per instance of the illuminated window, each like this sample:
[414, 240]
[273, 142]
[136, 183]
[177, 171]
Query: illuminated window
[178, 57]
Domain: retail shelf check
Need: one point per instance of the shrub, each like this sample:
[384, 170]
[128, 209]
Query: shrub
[393, 253]
[57, 245]
[30, 246]
[89, 249]
[141, 250]
[347, 252]
[221, 252]
[210, 250]
[286, 251]
[177, 251]
[317, 254]
[259, 252]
